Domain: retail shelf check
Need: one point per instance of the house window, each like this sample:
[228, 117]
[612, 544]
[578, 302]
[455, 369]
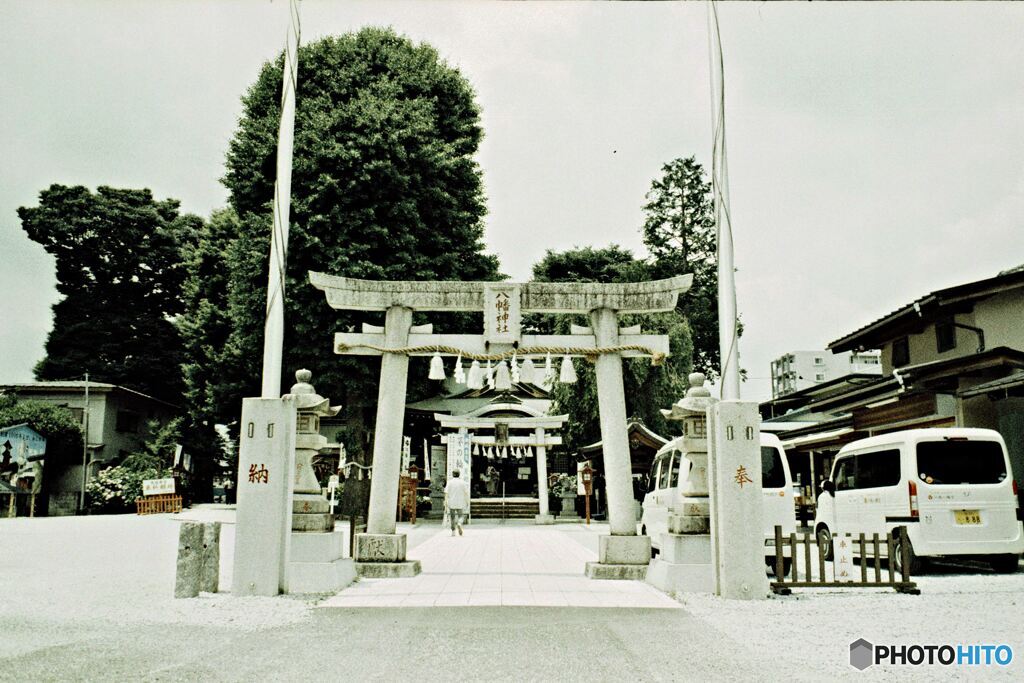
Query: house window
[819, 377]
[78, 414]
[901, 352]
[818, 360]
[127, 421]
[945, 335]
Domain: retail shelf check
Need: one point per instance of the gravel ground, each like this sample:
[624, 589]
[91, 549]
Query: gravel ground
[90, 598]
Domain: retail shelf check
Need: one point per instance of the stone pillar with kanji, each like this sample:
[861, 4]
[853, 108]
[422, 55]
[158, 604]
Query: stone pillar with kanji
[737, 519]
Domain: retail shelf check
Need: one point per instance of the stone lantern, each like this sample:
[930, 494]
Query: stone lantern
[684, 564]
[692, 410]
[311, 510]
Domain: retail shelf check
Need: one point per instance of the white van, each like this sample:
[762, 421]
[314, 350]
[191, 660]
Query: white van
[952, 488]
[670, 471]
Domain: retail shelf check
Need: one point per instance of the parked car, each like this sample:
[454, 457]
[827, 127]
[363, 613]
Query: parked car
[952, 488]
[671, 470]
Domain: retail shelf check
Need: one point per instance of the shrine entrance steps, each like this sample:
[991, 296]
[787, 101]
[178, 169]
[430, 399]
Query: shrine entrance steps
[504, 508]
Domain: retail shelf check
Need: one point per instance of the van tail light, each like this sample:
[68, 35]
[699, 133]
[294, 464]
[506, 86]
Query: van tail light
[914, 512]
[1015, 487]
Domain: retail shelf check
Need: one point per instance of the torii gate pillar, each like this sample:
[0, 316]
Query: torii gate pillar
[623, 554]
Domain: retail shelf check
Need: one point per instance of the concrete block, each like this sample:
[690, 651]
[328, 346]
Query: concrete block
[544, 519]
[624, 549]
[380, 547]
[688, 524]
[209, 572]
[316, 523]
[690, 549]
[672, 577]
[320, 577]
[190, 560]
[627, 572]
[307, 547]
[388, 570]
[304, 503]
[692, 508]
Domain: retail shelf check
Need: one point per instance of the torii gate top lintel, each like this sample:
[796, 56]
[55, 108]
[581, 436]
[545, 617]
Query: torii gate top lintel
[535, 297]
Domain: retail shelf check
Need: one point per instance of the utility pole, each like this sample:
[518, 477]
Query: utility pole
[85, 445]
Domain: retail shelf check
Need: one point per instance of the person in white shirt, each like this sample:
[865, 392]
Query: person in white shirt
[456, 498]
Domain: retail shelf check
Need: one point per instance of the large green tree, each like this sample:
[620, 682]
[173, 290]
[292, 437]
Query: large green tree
[679, 232]
[384, 186]
[120, 271]
[647, 388]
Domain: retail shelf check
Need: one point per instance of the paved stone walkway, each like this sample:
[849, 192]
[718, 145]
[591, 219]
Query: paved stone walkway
[503, 564]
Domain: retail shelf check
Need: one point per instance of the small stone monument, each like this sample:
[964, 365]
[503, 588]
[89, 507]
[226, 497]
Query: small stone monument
[684, 564]
[315, 560]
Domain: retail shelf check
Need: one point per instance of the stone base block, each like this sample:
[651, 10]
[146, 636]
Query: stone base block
[306, 503]
[681, 578]
[544, 519]
[695, 507]
[316, 523]
[600, 570]
[388, 570]
[688, 524]
[320, 577]
[624, 550]
[307, 547]
[380, 548]
[688, 549]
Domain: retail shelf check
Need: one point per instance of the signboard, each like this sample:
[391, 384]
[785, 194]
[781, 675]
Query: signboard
[501, 433]
[24, 443]
[502, 313]
[843, 564]
[406, 453]
[156, 487]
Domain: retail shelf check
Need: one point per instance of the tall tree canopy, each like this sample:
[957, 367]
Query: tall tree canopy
[384, 186]
[119, 269]
[679, 232]
[648, 388]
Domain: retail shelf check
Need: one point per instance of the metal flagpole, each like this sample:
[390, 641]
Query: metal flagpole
[728, 324]
[273, 329]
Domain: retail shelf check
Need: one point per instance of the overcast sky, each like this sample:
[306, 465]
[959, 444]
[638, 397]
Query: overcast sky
[876, 151]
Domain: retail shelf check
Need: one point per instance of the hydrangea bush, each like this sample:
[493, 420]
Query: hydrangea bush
[116, 488]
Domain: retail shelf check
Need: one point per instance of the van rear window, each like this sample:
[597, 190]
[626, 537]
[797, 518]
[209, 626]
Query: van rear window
[960, 462]
[772, 474]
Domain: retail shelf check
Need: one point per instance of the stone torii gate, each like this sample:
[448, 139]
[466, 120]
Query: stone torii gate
[382, 552]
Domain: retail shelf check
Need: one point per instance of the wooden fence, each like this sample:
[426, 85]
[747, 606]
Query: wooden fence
[152, 505]
[870, 550]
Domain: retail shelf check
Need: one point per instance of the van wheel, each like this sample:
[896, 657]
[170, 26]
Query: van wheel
[916, 563]
[1004, 564]
[824, 537]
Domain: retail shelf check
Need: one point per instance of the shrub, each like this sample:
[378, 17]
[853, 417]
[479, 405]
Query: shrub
[115, 489]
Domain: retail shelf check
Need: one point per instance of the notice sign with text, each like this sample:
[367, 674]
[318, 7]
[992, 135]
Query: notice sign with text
[156, 487]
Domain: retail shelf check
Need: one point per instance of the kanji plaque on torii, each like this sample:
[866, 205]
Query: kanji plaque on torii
[502, 304]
